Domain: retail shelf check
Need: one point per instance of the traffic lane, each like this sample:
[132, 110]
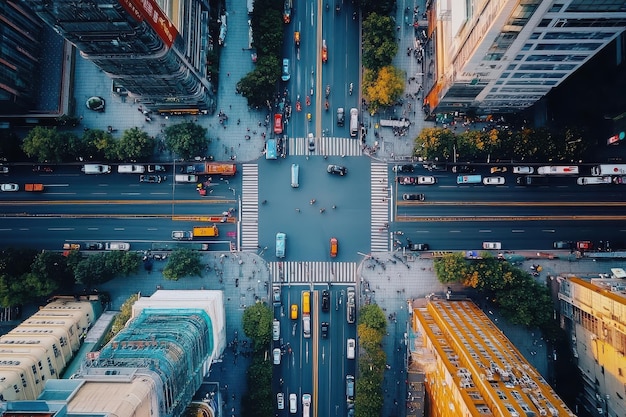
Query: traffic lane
[341, 331]
[51, 233]
[308, 230]
[503, 209]
[294, 374]
[513, 235]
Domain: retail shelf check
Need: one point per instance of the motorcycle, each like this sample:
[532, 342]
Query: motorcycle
[327, 91]
[308, 100]
[298, 106]
[351, 86]
[308, 116]
[327, 105]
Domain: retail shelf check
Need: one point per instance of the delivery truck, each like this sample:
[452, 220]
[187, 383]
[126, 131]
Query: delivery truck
[205, 231]
[610, 169]
[211, 168]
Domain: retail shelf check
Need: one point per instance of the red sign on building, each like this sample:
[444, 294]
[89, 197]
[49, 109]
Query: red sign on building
[152, 13]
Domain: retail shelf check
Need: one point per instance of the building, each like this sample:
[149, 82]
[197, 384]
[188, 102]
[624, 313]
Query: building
[472, 369]
[503, 56]
[153, 367]
[155, 51]
[594, 314]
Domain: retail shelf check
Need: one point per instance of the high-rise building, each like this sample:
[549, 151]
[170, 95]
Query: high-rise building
[154, 51]
[504, 55]
[594, 314]
[472, 369]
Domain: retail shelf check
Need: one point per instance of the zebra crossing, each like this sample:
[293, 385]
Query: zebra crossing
[379, 222]
[250, 207]
[316, 272]
[325, 146]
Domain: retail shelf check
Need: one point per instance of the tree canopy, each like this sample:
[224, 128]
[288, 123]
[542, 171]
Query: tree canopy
[183, 263]
[257, 325]
[384, 88]
[135, 145]
[371, 361]
[187, 140]
[379, 41]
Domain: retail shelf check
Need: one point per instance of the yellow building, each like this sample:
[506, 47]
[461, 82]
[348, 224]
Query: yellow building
[472, 369]
[594, 313]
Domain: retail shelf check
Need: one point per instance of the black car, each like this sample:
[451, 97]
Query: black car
[418, 247]
[436, 167]
[94, 246]
[337, 170]
[325, 326]
[407, 197]
[150, 178]
[325, 300]
[403, 168]
[462, 169]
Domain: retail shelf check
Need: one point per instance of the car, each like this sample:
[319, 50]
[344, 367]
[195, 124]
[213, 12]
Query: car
[293, 403]
[306, 405]
[153, 179]
[334, 247]
[351, 349]
[95, 103]
[10, 187]
[619, 179]
[408, 197]
[4, 170]
[285, 76]
[349, 388]
[562, 244]
[311, 142]
[121, 246]
[426, 180]
[593, 180]
[407, 180]
[276, 294]
[337, 170]
[325, 300]
[324, 329]
[294, 312]
[436, 167]
[418, 247]
[280, 401]
[296, 39]
[498, 169]
[324, 51]
[185, 178]
[463, 169]
[341, 116]
[94, 246]
[350, 305]
[403, 168]
[493, 180]
[278, 123]
[156, 168]
[492, 245]
[583, 245]
[275, 330]
[523, 170]
[276, 356]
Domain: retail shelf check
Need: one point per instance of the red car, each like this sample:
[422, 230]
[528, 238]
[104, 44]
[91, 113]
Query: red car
[584, 245]
[278, 124]
[407, 180]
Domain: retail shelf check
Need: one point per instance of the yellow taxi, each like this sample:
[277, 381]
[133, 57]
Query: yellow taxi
[294, 312]
[334, 247]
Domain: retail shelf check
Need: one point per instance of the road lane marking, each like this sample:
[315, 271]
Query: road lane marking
[517, 231]
[56, 185]
[484, 231]
[549, 230]
[60, 229]
[121, 229]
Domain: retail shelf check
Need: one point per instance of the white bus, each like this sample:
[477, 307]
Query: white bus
[602, 170]
[557, 170]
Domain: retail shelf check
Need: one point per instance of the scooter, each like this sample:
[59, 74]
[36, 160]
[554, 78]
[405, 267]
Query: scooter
[351, 85]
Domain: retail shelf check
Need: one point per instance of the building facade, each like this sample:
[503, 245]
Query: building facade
[594, 314]
[154, 51]
[472, 369]
[503, 55]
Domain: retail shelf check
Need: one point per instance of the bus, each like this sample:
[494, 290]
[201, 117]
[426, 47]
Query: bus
[469, 179]
[603, 170]
[557, 170]
[270, 149]
[295, 173]
[280, 245]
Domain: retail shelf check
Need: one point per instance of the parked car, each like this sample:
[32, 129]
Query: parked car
[280, 401]
[285, 76]
[351, 348]
[426, 180]
[408, 197]
[349, 388]
[123, 246]
[562, 244]
[403, 168]
[418, 247]
[436, 167]
[493, 180]
[407, 180]
[94, 246]
[324, 329]
[276, 356]
[523, 170]
[583, 245]
[498, 169]
[337, 170]
[492, 245]
[10, 187]
[153, 179]
[463, 169]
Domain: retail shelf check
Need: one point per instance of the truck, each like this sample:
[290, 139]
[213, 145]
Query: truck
[33, 187]
[211, 168]
[557, 170]
[469, 179]
[593, 180]
[205, 231]
[603, 170]
[531, 180]
[162, 246]
[354, 122]
[182, 235]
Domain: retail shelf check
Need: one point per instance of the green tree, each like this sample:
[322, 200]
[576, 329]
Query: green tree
[44, 144]
[372, 316]
[379, 41]
[382, 7]
[126, 311]
[186, 140]
[135, 145]
[259, 85]
[183, 263]
[435, 143]
[259, 400]
[384, 88]
[92, 270]
[257, 325]
[452, 267]
[51, 267]
[268, 30]
[99, 145]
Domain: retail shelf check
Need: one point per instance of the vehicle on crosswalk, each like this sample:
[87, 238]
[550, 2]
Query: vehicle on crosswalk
[337, 170]
[311, 142]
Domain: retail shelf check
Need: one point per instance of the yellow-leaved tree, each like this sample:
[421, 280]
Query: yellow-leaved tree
[384, 88]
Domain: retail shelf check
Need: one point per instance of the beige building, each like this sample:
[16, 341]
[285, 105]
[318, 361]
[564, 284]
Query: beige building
[472, 369]
[594, 313]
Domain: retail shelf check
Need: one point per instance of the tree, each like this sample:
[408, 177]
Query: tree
[186, 140]
[122, 318]
[382, 7]
[183, 263]
[135, 145]
[379, 41]
[259, 85]
[373, 317]
[51, 267]
[268, 32]
[92, 270]
[43, 145]
[383, 89]
[257, 325]
[434, 143]
[452, 267]
[98, 145]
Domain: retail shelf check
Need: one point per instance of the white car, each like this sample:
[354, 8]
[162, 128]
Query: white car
[4, 170]
[523, 170]
[293, 403]
[426, 180]
[280, 401]
[351, 348]
[9, 187]
[276, 355]
[492, 245]
[306, 405]
[493, 180]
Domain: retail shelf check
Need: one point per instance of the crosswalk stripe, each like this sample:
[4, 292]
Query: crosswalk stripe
[325, 146]
[313, 271]
[250, 207]
[379, 211]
